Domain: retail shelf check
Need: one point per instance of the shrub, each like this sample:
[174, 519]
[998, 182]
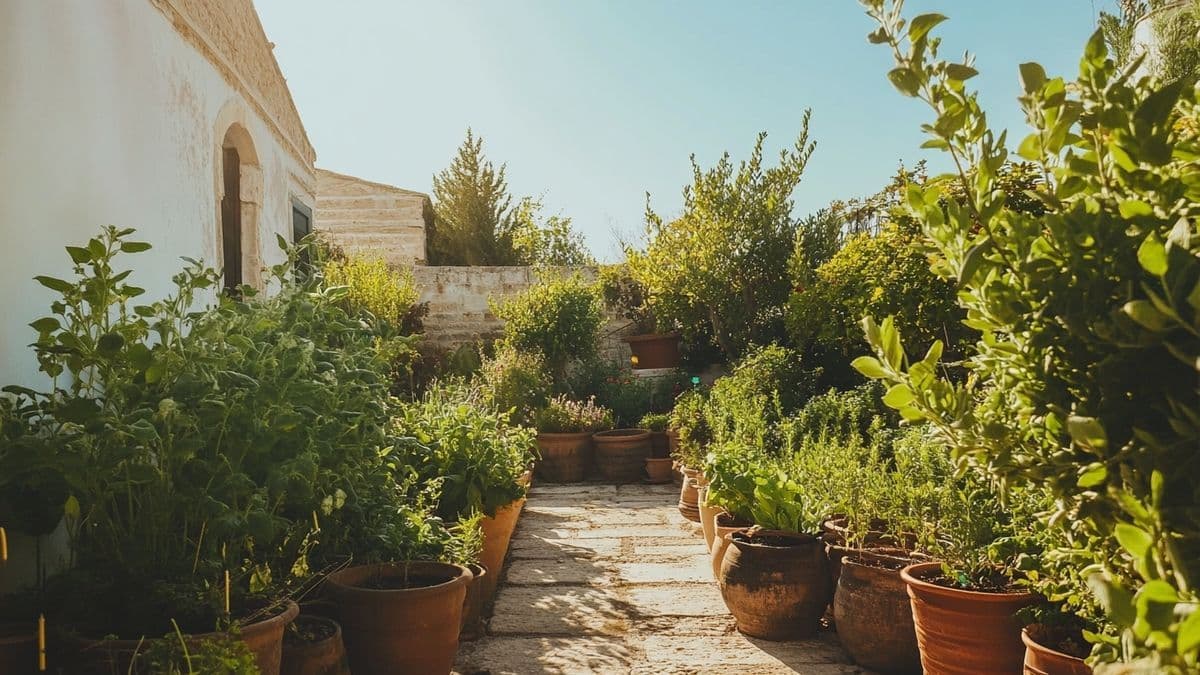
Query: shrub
[656, 422]
[515, 382]
[626, 296]
[843, 414]
[688, 420]
[558, 317]
[767, 385]
[387, 294]
[564, 416]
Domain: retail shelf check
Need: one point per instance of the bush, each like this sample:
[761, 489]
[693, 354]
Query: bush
[515, 383]
[845, 414]
[688, 420]
[766, 386]
[564, 416]
[387, 294]
[656, 422]
[558, 317]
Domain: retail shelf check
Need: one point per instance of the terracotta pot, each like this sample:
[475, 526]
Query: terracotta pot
[1041, 660]
[497, 533]
[657, 350]
[326, 656]
[874, 617]
[472, 622]
[775, 583]
[962, 631]
[263, 637]
[708, 517]
[658, 470]
[400, 629]
[564, 456]
[659, 445]
[18, 648]
[689, 499]
[835, 533]
[723, 524]
[621, 454]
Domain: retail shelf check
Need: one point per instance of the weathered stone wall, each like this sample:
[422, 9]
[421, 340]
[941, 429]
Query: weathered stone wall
[459, 311]
[373, 218]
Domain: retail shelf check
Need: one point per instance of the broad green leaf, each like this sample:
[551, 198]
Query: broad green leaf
[1133, 539]
[1093, 475]
[1146, 315]
[1189, 633]
[898, 396]
[54, 284]
[79, 255]
[1031, 147]
[870, 367]
[110, 343]
[134, 246]
[1134, 208]
[960, 71]
[1153, 255]
[46, 324]
[921, 25]
[1033, 77]
[905, 80]
[1087, 431]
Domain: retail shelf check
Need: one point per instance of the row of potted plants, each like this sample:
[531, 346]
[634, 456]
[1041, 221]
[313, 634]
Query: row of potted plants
[577, 439]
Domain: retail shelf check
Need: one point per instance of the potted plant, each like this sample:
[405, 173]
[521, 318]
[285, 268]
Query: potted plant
[659, 463]
[688, 421]
[400, 617]
[565, 429]
[621, 454]
[312, 645]
[652, 346]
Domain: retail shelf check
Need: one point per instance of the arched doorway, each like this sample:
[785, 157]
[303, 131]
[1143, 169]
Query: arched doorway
[241, 194]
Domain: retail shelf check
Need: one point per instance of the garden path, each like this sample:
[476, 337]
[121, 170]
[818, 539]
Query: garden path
[611, 579]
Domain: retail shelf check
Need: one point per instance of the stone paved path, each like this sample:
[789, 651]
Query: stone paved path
[611, 579]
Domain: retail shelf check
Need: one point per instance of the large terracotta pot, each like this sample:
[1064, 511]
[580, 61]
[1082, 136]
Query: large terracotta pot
[964, 632]
[1042, 660]
[621, 454]
[472, 621]
[497, 533]
[660, 446]
[708, 517]
[723, 524]
[323, 656]
[775, 583]
[18, 648]
[657, 350]
[874, 617]
[102, 657]
[658, 470]
[400, 617]
[835, 532]
[565, 457]
[689, 498]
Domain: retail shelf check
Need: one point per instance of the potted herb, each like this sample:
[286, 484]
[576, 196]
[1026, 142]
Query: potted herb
[565, 429]
[688, 422]
[652, 345]
[658, 464]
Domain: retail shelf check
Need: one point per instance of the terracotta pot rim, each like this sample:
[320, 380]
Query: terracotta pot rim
[652, 337]
[733, 521]
[657, 459]
[1033, 644]
[913, 574]
[565, 435]
[290, 611]
[476, 566]
[621, 435]
[337, 630]
[800, 539]
[463, 577]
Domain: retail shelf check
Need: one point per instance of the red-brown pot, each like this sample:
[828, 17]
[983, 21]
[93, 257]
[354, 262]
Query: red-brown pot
[658, 470]
[472, 622]
[660, 446]
[400, 630]
[775, 583]
[264, 638]
[723, 524]
[322, 657]
[964, 632]
[1041, 660]
[657, 350]
[621, 454]
[874, 616]
[497, 533]
[18, 648]
[689, 497]
[565, 457]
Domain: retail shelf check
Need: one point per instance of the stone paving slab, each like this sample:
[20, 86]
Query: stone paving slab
[611, 579]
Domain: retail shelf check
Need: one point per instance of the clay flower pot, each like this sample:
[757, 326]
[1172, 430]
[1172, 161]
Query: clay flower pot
[400, 617]
[658, 470]
[497, 533]
[313, 646]
[264, 637]
[834, 532]
[873, 614]
[723, 524]
[964, 632]
[689, 498]
[775, 583]
[1042, 660]
[18, 648]
[565, 457]
[656, 350]
[660, 446]
[472, 621]
[708, 517]
[621, 454]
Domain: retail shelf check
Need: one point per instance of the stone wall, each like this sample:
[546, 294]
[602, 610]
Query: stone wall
[373, 218]
[459, 311]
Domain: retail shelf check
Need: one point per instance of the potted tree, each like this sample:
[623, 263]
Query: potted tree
[652, 345]
[565, 430]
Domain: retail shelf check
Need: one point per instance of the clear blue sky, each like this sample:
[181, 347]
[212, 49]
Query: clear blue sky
[593, 103]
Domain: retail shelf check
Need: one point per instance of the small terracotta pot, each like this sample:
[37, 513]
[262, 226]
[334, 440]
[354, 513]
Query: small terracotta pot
[660, 446]
[565, 457]
[323, 657]
[264, 638]
[403, 629]
[656, 350]
[775, 583]
[1041, 660]
[621, 454]
[658, 470]
[708, 517]
[497, 533]
[472, 622]
[723, 524]
[689, 498]
[964, 632]
[18, 648]
[873, 615]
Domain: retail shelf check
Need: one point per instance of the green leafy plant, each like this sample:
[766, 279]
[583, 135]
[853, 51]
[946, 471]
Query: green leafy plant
[626, 296]
[689, 421]
[546, 241]
[559, 317]
[515, 382]
[769, 384]
[657, 422]
[1084, 383]
[564, 416]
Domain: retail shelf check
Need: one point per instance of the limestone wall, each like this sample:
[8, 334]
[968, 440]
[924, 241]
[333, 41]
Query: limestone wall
[459, 311]
[366, 217]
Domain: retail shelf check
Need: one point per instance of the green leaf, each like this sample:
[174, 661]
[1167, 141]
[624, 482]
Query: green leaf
[1189, 633]
[54, 284]
[1134, 208]
[46, 324]
[1116, 600]
[1152, 255]
[898, 396]
[960, 71]
[1133, 539]
[905, 81]
[110, 343]
[1031, 147]
[870, 367]
[1146, 315]
[1087, 432]
[79, 255]
[921, 25]
[134, 246]
[1033, 77]
[972, 260]
[1093, 475]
